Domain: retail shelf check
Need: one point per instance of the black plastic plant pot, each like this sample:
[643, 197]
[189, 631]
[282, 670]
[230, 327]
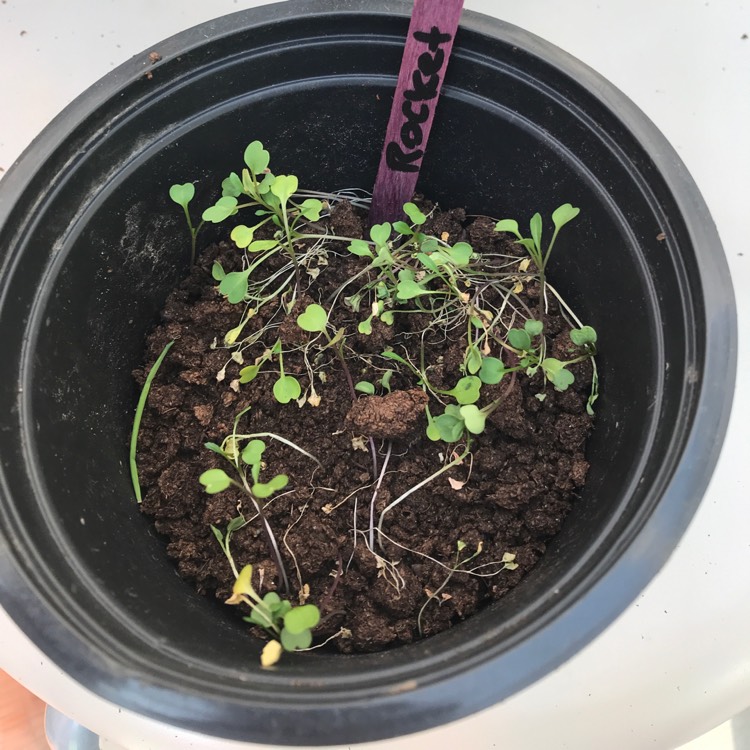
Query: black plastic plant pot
[92, 245]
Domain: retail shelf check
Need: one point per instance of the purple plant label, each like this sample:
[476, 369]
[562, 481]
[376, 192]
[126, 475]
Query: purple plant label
[428, 46]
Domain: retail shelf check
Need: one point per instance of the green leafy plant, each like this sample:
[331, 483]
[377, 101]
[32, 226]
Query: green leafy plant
[290, 626]
[399, 269]
[560, 217]
[182, 195]
[244, 452]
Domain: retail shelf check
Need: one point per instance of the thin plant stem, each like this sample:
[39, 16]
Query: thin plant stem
[375, 494]
[455, 462]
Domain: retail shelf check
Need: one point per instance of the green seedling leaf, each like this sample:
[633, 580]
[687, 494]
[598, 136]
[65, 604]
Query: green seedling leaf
[583, 336]
[380, 233]
[474, 419]
[387, 317]
[249, 373]
[364, 387]
[492, 370]
[236, 523]
[234, 286]
[466, 390]
[214, 480]
[217, 271]
[284, 187]
[365, 326]
[281, 609]
[272, 600]
[242, 236]
[260, 615]
[562, 379]
[314, 319]
[252, 452]
[530, 246]
[361, 248]
[390, 354]
[556, 373]
[354, 302]
[295, 641]
[182, 194]
[433, 432]
[214, 448]
[256, 157]
[562, 215]
[535, 226]
[286, 389]
[427, 262]
[259, 246]
[311, 208]
[473, 360]
[409, 289]
[223, 208]
[232, 185]
[460, 254]
[414, 214]
[217, 533]
[447, 428]
[385, 381]
[264, 186]
[533, 327]
[519, 339]
[508, 225]
[263, 490]
[403, 228]
[302, 618]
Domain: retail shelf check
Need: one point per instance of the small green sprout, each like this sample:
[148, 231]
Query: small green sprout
[245, 454]
[466, 391]
[292, 626]
[584, 336]
[287, 387]
[492, 370]
[560, 217]
[182, 195]
[451, 426]
[215, 480]
[365, 387]
[314, 319]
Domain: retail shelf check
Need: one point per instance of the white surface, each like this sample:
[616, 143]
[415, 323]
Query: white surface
[678, 661]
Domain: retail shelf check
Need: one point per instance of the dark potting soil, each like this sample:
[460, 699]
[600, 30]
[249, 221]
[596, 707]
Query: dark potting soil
[511, 496]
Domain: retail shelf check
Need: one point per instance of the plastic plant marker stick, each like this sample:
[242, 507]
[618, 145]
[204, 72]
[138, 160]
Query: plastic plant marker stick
[428, 47]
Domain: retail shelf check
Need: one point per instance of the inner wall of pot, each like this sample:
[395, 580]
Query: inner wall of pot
[120, 255]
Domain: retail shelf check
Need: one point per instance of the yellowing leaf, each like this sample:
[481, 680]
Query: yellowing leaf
[455, 484]
[313, 399]
[518, 288]
[524, 265]
[271, 654]
[243, 584]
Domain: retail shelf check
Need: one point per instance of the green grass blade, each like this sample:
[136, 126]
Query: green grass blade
[137, 420]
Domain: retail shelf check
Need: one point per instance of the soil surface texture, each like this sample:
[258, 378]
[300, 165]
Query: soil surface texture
[509, 497]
